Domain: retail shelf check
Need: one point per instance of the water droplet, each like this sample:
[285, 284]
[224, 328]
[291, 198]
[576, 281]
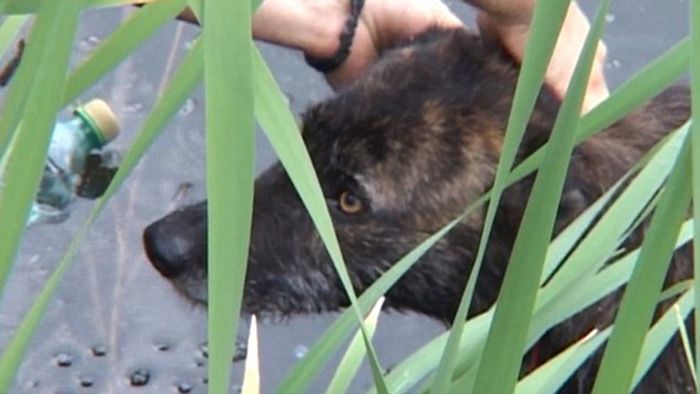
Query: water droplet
[34, 259]
[187, 107]
[609, 18]
[34, 383]
[145, 88]
[199, 362]
[240, 351]
[184, 388]
[204, 350]
[300, 351]
[133, 107]
[162, 346]
[140, 377]
[86, 381]
[614, 63]
[291, 99]
[64, 360]
[99, 350]
[89, 43]
[190, 44]
[205, 380]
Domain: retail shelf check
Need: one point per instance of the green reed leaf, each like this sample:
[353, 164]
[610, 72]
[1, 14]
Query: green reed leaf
[273, 115]
[622, 352]
[500, 363]
[350, 363]
[660, 335]
[186, 78]
[600, 243]
[121, 44]
[32, 98]
[695, 161]
[52, 38]
[230, 146]
[547, 19]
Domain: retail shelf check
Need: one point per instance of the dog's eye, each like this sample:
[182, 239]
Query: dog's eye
[349, 203]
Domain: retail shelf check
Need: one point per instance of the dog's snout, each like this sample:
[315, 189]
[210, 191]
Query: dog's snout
[167, 251]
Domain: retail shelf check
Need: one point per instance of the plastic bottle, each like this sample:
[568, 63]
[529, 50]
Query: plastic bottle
[92, 127]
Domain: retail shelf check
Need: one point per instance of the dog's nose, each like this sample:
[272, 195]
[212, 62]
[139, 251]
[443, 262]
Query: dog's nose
[167, 251]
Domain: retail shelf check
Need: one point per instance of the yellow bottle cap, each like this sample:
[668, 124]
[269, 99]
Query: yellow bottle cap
[101, 118]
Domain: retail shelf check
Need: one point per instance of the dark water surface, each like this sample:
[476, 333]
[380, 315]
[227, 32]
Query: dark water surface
[115, 325]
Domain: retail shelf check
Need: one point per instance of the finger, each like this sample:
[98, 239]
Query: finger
[565, 55]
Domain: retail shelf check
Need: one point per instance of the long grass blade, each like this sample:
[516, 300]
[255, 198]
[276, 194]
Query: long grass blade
[660, 334]
[24, 79]
[413, 369]
[589, 292]
[52, 42]
[500, 362]
[183, 82]
[622, 352]
[120, 44]
[683, 332]
[641, 87]
[695, 142]
[553, 374]
[665, 152]
[567, 240]
[645, 83]
[281, 130]
[600, 243]
[22, 169]
[557, 307]
[188, 75]
[570, 237]
[230, 144]
[546, 23]
[350, 363]
[32, 6]
[549, 377]
[551, 309]
[665, 69]
[299, 377]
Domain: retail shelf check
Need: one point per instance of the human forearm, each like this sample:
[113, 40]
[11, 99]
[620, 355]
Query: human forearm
[309, 25]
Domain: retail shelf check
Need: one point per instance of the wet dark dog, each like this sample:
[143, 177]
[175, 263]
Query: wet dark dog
[399, 154]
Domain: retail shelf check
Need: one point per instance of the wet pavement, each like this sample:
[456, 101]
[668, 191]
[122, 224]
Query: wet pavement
[115, 325]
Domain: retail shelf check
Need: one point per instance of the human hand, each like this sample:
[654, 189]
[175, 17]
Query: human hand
[315, 26]
[510, 27]
[384, 22]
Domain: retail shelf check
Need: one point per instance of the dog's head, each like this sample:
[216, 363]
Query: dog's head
[399, 154]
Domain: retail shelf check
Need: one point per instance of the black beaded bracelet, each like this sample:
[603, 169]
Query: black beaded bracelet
[326, 65]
